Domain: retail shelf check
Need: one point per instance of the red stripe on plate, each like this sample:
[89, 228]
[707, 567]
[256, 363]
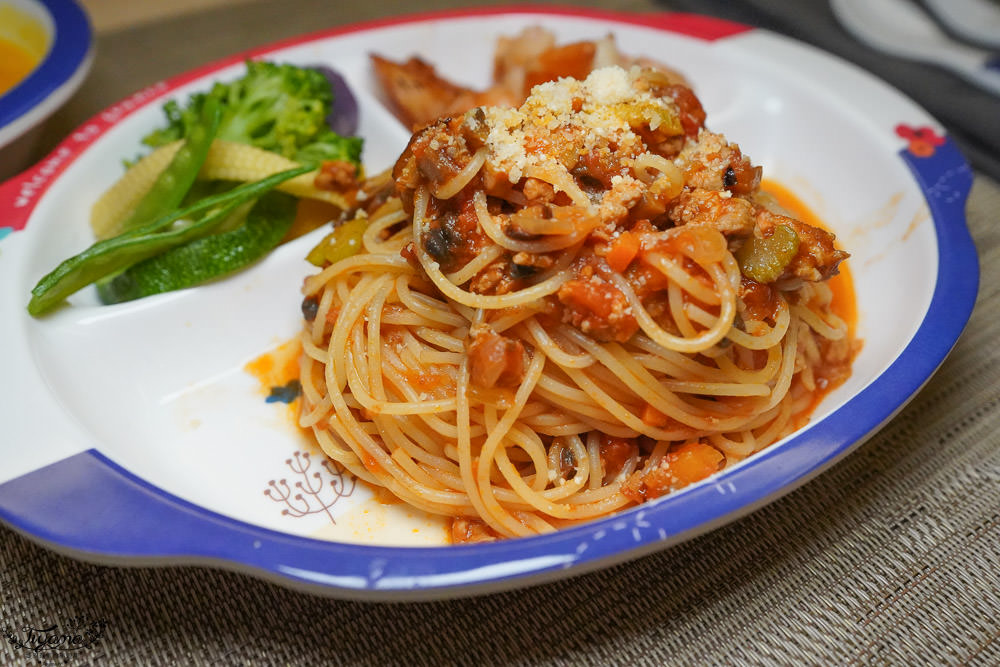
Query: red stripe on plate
[20, 195]
[707, 28]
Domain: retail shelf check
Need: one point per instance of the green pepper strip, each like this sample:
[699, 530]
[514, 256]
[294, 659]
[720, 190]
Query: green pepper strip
[173, 183]
[109, 256]
[344, 241]
[764, 259]
[208, 257]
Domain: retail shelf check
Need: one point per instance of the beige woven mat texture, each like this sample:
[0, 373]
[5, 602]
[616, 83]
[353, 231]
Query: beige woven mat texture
[891, 557]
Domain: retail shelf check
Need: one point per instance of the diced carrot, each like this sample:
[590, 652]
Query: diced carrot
[623, 250]
[694, 461]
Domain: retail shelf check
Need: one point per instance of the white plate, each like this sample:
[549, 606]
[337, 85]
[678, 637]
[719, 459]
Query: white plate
[132, 433]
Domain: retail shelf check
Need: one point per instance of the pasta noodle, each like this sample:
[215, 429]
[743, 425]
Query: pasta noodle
[553, 318]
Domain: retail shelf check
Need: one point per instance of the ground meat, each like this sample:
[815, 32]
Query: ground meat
[618, 201]
[500, 277]
[336, 175]
[714, 164]
[837, 357]
[434, 155]
[535, 261]
[732, 216]
[538, 192]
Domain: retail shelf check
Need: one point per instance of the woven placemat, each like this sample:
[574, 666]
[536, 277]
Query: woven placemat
[890, 557]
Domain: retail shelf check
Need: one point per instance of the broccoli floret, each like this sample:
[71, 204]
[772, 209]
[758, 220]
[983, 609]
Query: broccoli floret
[329, 145]
[278, 107]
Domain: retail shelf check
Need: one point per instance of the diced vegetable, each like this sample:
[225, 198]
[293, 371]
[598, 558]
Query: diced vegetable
[208, 257]
[344, 241]
[623, 250]
[694, 461]
[112, 255]
[344, 113]
[764, 258]
[651, 115]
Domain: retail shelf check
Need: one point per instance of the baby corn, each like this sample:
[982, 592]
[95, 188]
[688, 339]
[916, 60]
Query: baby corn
[227, 160]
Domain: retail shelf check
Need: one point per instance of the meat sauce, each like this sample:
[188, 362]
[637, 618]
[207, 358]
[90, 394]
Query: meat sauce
[686, 463]
[710, 201]
[615, 213]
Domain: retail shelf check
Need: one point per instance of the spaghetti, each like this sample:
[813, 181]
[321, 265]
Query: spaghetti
[567, 308]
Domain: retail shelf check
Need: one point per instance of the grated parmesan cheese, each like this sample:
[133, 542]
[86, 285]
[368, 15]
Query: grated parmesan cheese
[601, 109]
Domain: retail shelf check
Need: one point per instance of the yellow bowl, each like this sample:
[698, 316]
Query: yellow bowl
[24, 41]
[46, 48]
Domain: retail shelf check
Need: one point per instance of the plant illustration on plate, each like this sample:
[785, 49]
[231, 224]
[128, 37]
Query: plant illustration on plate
[317, 489]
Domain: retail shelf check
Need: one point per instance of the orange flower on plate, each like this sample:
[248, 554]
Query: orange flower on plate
[923, 140]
